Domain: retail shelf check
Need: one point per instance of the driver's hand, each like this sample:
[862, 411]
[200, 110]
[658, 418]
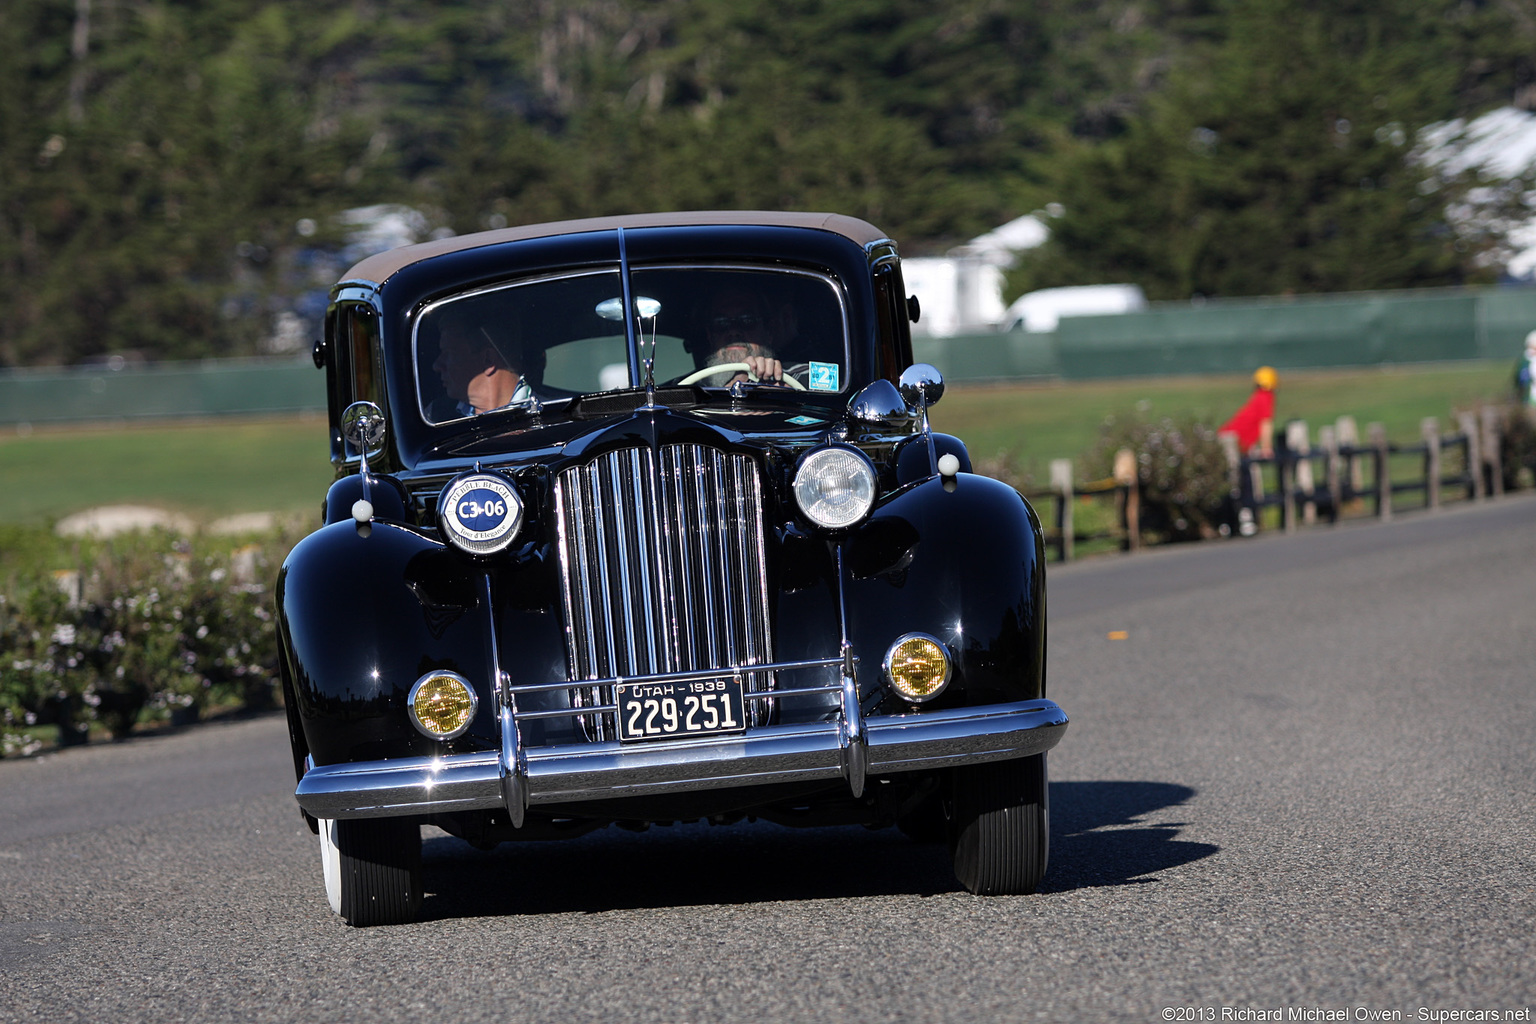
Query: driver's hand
[764, 368]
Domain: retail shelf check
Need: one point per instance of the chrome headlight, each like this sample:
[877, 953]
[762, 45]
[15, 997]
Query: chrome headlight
[917, 666]
[835, 487]
[442, 704]
[480, 513]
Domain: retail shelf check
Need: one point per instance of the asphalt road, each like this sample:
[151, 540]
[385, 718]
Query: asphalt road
[1305, 780]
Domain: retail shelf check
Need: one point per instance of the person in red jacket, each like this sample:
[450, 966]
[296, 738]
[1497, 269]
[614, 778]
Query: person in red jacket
[1254, 423]
[1254, 428]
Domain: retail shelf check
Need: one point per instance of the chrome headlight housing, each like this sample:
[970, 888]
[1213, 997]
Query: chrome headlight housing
[442, 705]
[835, 487]
[480, 513]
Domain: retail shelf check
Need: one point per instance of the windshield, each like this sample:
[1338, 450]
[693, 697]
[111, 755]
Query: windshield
[554, 338]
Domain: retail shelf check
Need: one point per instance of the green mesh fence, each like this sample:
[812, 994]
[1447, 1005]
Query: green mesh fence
[1234, 336]
[208, 388]
[1229, 336]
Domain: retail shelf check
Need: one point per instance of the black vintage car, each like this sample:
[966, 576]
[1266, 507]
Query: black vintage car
[641, 520]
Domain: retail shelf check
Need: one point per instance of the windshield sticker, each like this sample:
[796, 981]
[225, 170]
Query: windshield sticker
[823, 377]
[804, 421]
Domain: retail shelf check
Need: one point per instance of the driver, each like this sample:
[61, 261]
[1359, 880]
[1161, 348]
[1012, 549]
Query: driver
[475, 370]
[736, 326]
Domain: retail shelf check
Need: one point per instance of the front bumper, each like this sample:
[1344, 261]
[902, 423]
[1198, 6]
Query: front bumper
[594, 771]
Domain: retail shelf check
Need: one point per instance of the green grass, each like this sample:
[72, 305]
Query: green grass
[203, 469]
[210, 468]
[1040, 422]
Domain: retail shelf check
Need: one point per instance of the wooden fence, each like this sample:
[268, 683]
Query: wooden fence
[1305, 482]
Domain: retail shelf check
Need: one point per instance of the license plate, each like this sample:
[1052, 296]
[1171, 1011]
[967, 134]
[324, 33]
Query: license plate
[659, 711]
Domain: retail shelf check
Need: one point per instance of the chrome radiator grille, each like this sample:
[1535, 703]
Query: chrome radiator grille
[662, 568]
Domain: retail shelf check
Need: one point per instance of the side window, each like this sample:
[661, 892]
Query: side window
[352, 374]
[360, 329]
[895, 353]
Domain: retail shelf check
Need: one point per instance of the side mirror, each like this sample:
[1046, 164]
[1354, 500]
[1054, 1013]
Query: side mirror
[922, 385]
[362, 430]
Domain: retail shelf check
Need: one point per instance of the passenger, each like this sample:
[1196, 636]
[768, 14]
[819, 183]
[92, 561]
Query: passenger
[476, 371]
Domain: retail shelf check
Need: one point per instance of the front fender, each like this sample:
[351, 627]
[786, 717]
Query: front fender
[963, 560]
[362, 618]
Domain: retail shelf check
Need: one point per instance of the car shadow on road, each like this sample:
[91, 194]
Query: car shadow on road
[1097, 839]
[1099, 835]
[679, 865]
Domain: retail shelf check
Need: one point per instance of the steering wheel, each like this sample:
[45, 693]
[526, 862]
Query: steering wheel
[710, 371]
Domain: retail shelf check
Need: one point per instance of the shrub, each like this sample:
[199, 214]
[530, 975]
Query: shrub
[1182, 472]
[1005, 466]
[141, 625]
[34, 626]
[1517, 446]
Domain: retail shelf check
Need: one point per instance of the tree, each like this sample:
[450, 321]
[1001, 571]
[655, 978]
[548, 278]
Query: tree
[156, 157]
[160, 164]
[1280, 161]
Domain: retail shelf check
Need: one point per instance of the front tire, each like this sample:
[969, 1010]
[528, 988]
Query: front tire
[372, 869]
[1001, 826]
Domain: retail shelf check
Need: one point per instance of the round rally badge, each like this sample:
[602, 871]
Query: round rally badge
[480, 513]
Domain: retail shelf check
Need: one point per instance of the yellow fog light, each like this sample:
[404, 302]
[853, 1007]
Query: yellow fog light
[442, 704]
[917, 667]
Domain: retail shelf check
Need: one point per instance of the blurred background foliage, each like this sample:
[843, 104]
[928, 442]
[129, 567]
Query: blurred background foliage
[165, 166]
[137, 630]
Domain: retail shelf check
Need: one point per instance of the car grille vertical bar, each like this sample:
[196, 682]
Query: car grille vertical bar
[663, 569]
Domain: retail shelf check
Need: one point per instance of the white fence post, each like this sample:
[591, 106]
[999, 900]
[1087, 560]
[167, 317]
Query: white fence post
[1383, 449]
[1429, 429]
[1467, 423]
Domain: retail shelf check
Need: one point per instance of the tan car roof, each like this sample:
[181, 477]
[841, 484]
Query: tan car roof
[379, 268]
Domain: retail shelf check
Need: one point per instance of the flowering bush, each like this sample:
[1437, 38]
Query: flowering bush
[144, 625]
[33, 624]
[1005, 466]
[1182, 472]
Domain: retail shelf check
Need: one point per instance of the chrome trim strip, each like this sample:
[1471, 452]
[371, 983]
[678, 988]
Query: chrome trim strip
[512, 764]
[590, 709]
[593, 771]
[629, 310]
[622, 533]
[852, 738]
[703, 673]
[798, 691]
[667, 592]
[572, 712]
[711, 585]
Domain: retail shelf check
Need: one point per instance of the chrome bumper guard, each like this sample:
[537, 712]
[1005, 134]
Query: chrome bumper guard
[515, 778]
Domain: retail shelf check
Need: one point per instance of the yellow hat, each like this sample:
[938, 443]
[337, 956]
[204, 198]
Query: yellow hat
[1266, 378]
